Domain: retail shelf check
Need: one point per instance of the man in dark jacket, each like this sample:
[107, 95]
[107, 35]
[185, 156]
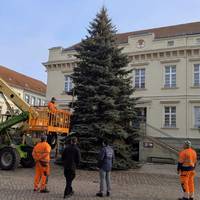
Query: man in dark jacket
[105, 161]
[71, 158]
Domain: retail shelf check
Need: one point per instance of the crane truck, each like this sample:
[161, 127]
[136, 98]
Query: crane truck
[16, 143]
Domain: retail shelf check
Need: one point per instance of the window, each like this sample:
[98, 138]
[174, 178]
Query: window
[197, 75]
[197, 116]
[39, 102]
[0, 110]
[27, 98]
[43, 102]
[33, 101]
[170, 117]
[198, 40]
[170, 43]
[68, 83]
[170, 76]
[139, 78]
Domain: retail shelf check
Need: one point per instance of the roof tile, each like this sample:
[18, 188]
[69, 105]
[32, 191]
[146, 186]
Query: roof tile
[162, 32]
[22, 81]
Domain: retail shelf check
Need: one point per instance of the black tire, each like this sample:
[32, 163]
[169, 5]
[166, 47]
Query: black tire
[9, 158]
[52, 140]
[27, 162]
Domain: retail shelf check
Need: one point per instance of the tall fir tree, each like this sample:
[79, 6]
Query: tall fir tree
[104, 107]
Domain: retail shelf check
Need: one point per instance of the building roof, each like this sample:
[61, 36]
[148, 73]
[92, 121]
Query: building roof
[22, 81]
[161, 32]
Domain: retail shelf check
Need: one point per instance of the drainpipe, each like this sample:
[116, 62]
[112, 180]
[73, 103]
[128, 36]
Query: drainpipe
[186, 90]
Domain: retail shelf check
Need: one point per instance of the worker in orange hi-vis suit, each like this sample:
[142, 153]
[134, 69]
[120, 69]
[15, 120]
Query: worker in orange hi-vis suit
[52, 111]
[41, 155]
[186, 166]
[51, 105]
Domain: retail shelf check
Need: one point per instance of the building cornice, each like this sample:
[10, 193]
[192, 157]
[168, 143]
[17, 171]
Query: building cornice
[175, 54]
[169, 101]
[169, 61]
[140, 64]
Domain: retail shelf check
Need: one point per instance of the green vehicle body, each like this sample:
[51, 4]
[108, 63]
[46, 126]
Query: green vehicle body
[7, 142]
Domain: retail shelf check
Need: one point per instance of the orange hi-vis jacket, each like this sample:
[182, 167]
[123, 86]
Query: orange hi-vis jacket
[41, 152]
[187, 160]
[52, 107]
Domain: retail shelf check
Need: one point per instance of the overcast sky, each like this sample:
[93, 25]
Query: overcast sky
[28, 28]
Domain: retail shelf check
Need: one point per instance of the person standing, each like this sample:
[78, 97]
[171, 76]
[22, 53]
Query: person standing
[52, 111]
[52, 105]
[41, 155]
[71, 158]
[105, 161]
[186, 169]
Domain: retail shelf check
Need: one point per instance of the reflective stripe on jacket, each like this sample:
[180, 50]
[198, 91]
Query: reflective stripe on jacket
[41, 152]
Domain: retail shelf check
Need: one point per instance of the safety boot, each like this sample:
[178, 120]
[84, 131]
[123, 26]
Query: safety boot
[44, 191]
[99, 194]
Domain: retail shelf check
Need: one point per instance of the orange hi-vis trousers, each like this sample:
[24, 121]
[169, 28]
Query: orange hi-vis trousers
[41, 175]
[187, 181]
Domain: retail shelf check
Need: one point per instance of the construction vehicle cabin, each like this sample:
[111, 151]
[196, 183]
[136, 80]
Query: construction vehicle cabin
[16, 145]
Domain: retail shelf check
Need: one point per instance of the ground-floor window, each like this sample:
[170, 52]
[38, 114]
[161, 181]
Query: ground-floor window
[170, 116]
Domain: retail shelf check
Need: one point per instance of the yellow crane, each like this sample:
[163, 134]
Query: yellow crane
[14, 148]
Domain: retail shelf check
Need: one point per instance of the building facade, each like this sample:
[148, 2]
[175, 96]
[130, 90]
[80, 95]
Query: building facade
[31, 90]
[166, 75]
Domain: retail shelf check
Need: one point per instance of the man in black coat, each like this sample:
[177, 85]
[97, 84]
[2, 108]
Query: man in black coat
[71, 159]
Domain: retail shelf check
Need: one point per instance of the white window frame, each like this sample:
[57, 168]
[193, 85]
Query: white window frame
[170, 114]
[196, 83]
[68, 85]
[27, 98]
[170, 74]
[33, 101]
[39, 102]
[43, 102]
[170, 43]
[139, 80]
[195, 123]
[198, 40]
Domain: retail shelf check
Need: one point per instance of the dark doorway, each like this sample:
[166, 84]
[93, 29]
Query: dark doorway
[140, 118]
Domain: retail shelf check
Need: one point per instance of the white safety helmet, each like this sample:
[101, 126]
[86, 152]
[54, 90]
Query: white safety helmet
[188, 143]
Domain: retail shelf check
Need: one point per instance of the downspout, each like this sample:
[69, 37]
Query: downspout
[186, 89]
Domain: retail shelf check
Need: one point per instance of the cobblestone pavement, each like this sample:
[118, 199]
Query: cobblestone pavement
[141, 184]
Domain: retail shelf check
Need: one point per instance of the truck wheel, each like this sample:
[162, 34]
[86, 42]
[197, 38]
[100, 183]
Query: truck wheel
[27, 162]
[52, 140]
[9, 158]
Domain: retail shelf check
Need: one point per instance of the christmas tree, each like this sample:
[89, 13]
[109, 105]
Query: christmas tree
[104, 106]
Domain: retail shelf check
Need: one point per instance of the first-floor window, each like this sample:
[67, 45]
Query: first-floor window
[68, 83]
[43, 102]
[170, 76]
[139, 78]
[170, 116]
[39, 102]
[197, 116]
[27, 98]
[33, 101]
[197, 75]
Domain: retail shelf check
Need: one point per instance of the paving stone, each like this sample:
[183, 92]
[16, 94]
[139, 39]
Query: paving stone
[141, 184]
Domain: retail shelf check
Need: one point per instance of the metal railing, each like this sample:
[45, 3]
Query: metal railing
[144, 127]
